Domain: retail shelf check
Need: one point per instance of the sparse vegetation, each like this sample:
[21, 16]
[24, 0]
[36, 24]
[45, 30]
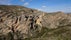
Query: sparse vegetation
[20, 23]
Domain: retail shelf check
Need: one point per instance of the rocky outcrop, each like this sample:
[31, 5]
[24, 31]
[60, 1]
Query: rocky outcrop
[21, 23]
[53, 20]
[18, 22]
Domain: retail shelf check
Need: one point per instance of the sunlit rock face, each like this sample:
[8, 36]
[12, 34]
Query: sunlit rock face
[21, 23]
[54, 20]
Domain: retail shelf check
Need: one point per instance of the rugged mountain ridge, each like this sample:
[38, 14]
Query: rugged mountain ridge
[15, 19]
[21, 23]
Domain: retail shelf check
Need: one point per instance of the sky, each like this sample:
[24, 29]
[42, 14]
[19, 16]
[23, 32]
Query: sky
[43, 5]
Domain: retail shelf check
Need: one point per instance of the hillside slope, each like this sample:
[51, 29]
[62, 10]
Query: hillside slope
[21, 23]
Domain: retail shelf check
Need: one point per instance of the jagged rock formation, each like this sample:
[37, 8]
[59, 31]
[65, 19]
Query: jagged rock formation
[21, 23]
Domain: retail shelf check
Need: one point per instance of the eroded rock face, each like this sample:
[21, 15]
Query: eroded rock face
[18, 23]
[53, 20]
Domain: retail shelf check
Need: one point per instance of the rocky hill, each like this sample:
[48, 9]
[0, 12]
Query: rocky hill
[21, 23]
